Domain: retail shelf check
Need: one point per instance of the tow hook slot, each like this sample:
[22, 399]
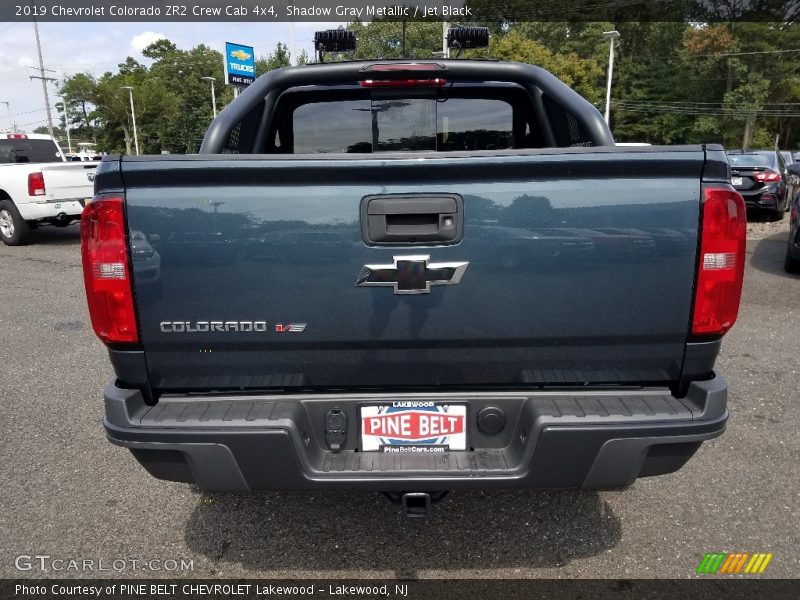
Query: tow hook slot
[415, 505]
[336, 429]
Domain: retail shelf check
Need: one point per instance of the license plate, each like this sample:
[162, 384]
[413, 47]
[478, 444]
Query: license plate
[413, 427]
[736, 181]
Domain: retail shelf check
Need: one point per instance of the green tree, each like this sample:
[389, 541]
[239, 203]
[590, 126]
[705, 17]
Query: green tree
[649, 74]
[396, 39]
[278, 58]
[76, 91]
[582, 74]
[179, 74]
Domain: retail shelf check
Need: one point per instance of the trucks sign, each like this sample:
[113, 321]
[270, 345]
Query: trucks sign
[240, 65]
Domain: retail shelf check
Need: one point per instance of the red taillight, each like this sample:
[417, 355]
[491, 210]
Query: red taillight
[766, 176]
[435, 82]
[35, 184]
[720, 270]
[106, 271]
[16, 136]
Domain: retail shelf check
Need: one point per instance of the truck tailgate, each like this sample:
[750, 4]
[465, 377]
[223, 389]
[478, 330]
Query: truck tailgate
[69, 181]
[580, 269]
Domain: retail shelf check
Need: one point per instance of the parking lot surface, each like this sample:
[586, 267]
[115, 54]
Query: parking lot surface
[67, 493]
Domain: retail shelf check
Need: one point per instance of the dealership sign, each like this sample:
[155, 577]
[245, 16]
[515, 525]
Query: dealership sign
[240, 65]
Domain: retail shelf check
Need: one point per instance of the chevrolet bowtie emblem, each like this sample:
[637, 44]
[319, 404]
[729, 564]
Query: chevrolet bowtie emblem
[412, 274]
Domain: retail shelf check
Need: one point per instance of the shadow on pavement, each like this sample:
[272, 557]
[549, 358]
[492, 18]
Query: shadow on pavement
[758, 216]
[469, 530]
[769, 253]
[49, 235]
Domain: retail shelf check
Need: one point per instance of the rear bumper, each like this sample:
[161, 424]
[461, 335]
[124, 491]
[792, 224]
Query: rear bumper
[50, 209]
[553, 439]
[763, 199]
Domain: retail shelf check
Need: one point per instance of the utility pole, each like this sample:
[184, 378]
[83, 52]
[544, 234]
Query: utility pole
[748, 130]
[66, 123]
[133, 118]
[445, 48]
[44, 79]
[11, 126]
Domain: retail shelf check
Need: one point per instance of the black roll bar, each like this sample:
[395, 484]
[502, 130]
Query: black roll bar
[529, 76]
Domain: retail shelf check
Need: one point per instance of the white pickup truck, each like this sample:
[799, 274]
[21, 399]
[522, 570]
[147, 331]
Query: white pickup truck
[37, 185]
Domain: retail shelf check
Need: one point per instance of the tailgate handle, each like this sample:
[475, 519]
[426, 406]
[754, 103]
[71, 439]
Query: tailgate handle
[412, 219]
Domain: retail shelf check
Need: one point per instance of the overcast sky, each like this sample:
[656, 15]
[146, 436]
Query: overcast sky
[70, 48]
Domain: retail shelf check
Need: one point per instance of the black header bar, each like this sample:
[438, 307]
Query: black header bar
[711, 588]
[456, 11]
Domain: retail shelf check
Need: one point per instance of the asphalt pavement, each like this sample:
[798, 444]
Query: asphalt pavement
[68, 494]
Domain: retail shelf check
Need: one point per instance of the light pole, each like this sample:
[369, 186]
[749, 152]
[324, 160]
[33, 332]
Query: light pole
[133, 117]
[292, 45]
[610, 36]
[66, 123]
[213, 94]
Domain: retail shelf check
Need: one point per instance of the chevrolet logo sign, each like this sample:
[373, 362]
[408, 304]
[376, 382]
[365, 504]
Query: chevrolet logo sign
[412, 274]
[240, 54]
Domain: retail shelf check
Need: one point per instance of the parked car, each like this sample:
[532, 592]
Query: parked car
[760, 176]
[791, 177]
[793, 181]
[146, 260]
[792, 262]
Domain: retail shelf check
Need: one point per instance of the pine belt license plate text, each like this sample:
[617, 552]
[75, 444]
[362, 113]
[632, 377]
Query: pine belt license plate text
[736, 181]
[412, 427]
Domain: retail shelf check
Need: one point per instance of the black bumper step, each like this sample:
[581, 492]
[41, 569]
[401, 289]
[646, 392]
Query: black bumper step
[591, 438]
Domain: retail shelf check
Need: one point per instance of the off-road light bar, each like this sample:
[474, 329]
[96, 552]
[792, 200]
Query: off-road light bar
[334, 40]
[468, 37]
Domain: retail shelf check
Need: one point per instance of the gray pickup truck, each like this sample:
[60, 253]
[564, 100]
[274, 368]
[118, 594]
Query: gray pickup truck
[413, 277]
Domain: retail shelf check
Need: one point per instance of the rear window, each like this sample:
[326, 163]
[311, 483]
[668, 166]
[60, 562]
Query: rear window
[402, 124]
[753, 159]
[28, 151]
